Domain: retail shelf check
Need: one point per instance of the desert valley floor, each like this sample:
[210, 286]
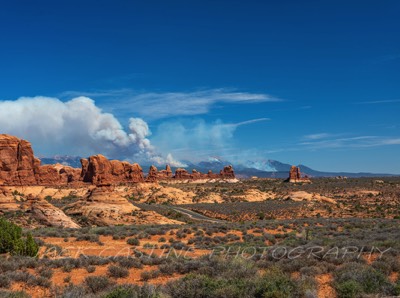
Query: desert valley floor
[331, 238]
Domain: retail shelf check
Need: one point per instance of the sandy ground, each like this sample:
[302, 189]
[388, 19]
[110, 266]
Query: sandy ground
[325, 289]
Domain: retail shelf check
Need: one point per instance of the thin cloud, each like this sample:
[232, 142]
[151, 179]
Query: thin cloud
[377, 102]
[157, 105]
[317, 136]
[98, 93]
[387, 58]
[247, 122]
[354, 142]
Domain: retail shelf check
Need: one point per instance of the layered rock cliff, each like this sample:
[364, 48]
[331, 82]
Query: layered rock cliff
[98, 170]
[19, 166]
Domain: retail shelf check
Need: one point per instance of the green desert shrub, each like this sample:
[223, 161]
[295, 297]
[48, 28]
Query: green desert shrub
[130, 291]
[12, 240]
[361, 279]
[275, 283]
[349, 289]
[9, 234]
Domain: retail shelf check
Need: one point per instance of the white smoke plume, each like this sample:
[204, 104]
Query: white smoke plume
[197, 140]
[77, 127]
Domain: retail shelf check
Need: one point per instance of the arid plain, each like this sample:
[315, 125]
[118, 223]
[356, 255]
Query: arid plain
[110, 230]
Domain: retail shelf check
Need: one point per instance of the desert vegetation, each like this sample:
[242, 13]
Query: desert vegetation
[275, 247]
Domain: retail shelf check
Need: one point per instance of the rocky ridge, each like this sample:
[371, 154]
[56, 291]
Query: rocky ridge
[19, 166]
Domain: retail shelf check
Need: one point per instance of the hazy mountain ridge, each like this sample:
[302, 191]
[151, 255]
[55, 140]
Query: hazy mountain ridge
[261, 168]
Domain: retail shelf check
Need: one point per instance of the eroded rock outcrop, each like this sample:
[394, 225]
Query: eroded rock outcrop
[7, 202]
[103, 206]
[165, 174]
[226, 173]
[152, 175]
[98, 170]
[182, 174]
[296, 177]
[19, 166]
[17, 162]
[48, 214]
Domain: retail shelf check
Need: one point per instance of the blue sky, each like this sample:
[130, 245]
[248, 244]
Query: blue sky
[311, 82]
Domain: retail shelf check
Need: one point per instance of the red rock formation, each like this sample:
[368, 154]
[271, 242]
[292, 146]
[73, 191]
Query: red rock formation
[294, 173]
[153, 174]
[182, 174]
[165, 174]
[98, 170]
[18, 166]
[68, 174]
[295, 176]
[17, 162]
[227, 173]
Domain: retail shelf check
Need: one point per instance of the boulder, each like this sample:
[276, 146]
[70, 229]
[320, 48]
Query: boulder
[48, 214]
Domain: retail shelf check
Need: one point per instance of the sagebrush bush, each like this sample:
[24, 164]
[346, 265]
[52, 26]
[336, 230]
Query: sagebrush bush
[147, 275]
[46, 272]
[13, 294]
[39, 281]
[128, 262]
[90, 269]
[117, 272]
[133, 241]
[5, 282]
[97, 284]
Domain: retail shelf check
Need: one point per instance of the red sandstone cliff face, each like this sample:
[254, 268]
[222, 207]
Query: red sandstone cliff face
[98, 170]
[17, 163]
[18, 166]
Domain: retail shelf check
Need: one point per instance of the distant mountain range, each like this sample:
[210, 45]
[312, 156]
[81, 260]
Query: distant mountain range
[262, 168]
[66, 160]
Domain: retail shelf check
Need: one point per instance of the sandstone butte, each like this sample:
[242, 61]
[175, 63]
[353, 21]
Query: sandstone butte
[19, 166]
[296, 177]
